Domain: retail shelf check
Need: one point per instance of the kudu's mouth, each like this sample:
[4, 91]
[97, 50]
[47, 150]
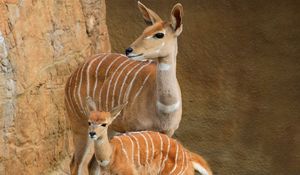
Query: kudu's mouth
[136, 56]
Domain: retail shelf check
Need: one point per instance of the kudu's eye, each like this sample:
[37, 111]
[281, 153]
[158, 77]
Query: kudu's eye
[104, 124]
[159, 35]
[89, 123]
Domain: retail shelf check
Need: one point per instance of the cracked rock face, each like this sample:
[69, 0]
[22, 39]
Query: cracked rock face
[41, 43]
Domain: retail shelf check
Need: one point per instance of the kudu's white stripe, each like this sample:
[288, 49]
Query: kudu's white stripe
[117, 80]
[183, 162]
[99, 98]
[124, 81]
[69, 108]
[68, 102]
[107, 70]
[161, 151]
[138, 149]
[147, 149]
[128, 90]
[96, 72]
[187, 161]
[123, 149]
[167, 155]
[152, 146]
[69, 96]
[176, 157]
[79, 89]
[132, 147]
[110, 80]
[74, 92]
[88, 76]
[141, 88]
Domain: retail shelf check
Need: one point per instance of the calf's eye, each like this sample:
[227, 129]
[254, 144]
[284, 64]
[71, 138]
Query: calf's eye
[104, 124]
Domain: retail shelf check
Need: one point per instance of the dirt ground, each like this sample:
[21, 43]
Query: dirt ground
[239, 70]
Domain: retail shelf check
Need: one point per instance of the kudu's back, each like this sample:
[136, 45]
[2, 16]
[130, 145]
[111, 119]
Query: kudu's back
[111, 80]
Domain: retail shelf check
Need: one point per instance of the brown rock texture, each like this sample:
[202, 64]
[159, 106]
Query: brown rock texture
[41, 42]
[239, 71]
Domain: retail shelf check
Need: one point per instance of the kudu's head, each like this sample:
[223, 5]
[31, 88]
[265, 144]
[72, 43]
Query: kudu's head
[99, 121]
[159, 39]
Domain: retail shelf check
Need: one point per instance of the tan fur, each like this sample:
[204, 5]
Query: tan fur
[97, 117]
[153, 95]
[141, 153]
[154, 28]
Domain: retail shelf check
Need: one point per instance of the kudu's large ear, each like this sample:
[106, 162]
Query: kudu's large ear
[117, 110]
[149, 16]
[91, 104]
[176, 18]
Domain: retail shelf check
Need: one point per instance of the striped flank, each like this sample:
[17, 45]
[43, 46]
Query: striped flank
[110, 79]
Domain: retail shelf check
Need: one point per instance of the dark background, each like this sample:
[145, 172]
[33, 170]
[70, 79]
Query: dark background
[239, 71]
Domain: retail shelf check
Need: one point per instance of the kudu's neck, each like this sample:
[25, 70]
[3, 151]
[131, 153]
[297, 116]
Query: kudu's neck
[103, 150]
[168, 91]
[168, 63]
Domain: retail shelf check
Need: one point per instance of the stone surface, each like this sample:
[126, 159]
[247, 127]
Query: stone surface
[41, 42]
[239, 70]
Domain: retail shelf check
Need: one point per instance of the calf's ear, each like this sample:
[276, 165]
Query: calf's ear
[117, 110]
[91, 104]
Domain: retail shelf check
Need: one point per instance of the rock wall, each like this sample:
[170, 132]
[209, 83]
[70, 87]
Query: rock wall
[41, 42]
[239, 70]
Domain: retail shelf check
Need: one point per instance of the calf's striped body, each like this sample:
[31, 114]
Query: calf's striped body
[139, 153]
[152, 153]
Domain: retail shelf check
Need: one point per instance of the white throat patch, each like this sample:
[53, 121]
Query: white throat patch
[103, 163]
[167, 108]
[164, 66]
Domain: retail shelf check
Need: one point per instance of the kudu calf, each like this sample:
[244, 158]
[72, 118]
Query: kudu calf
[139, 153]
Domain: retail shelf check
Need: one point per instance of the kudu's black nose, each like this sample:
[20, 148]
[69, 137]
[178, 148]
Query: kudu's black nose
[92, 134]
[128, 50]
